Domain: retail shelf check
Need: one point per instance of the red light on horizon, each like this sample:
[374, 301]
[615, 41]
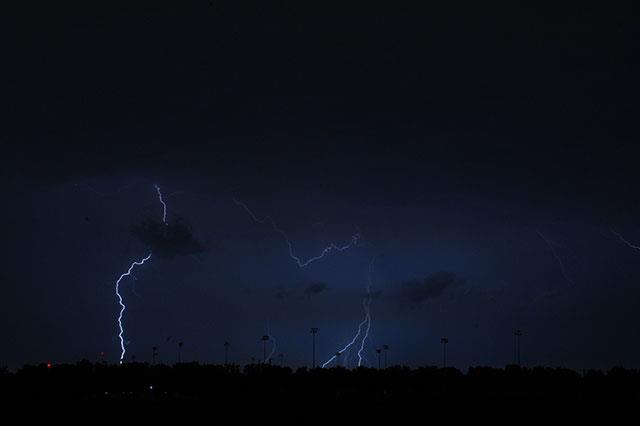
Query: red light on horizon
[49, 365]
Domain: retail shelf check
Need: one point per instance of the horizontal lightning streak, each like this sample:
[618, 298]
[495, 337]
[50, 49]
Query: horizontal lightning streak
[299, 262]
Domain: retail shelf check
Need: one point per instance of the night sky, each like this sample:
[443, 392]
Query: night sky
[485, 157]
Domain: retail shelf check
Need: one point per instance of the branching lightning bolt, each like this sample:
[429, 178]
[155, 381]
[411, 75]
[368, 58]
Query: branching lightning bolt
[298, 260]
[351, 343]
[366, 324]
[122, 305]
[550, 244]
[625, 241]
[128, 273]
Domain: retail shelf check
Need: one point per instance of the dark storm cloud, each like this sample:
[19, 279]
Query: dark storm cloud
[301, 291]
[315, 288]
[167, 240]
[431, 287]
[283, 292]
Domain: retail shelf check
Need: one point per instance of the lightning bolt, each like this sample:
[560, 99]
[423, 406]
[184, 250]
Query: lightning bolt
[128, 273]
[625, 241]
[351, 343]
[365, 324]
[273, 348]
[274, 345]
[551, 244]
[366, 304]
[164, 205]
[330, 248]
[122, 305]
[367, 308]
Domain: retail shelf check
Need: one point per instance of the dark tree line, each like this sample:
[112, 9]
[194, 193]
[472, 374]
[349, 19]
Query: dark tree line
[266, 384]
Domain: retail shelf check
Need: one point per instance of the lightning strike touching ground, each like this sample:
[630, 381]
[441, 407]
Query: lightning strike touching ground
[366, 303]
[273, 346]
[351, 343]
[331, 247]
[122, 305]
[128, 273]
[366, 323]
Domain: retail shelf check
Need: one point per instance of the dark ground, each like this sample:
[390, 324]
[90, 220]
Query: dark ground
[276, 393]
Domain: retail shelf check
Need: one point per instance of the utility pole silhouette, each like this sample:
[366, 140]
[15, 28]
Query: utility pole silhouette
[314, 331]
[226, 353]
[281, 356]
[378, 351]
[264, 339]
[338, 358]
[517, 334]
[154, 354]
[444, 341]
[386, 351]
[179, 352]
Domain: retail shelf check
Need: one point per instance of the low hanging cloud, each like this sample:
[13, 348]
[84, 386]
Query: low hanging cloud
[167, 240]
[283, 292]
[315, 288]
[417, 291]
[300, 291]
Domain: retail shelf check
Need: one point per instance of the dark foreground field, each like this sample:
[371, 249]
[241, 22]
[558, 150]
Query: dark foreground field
[278, 393]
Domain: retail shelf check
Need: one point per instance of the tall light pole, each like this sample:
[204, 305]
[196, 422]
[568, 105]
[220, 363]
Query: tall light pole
[517, 334]
[338, 358]
[386, 351]
[154, 354]
[226, 352]
[264, 339]
[444, 342]
[378, 351]
[314, 331]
